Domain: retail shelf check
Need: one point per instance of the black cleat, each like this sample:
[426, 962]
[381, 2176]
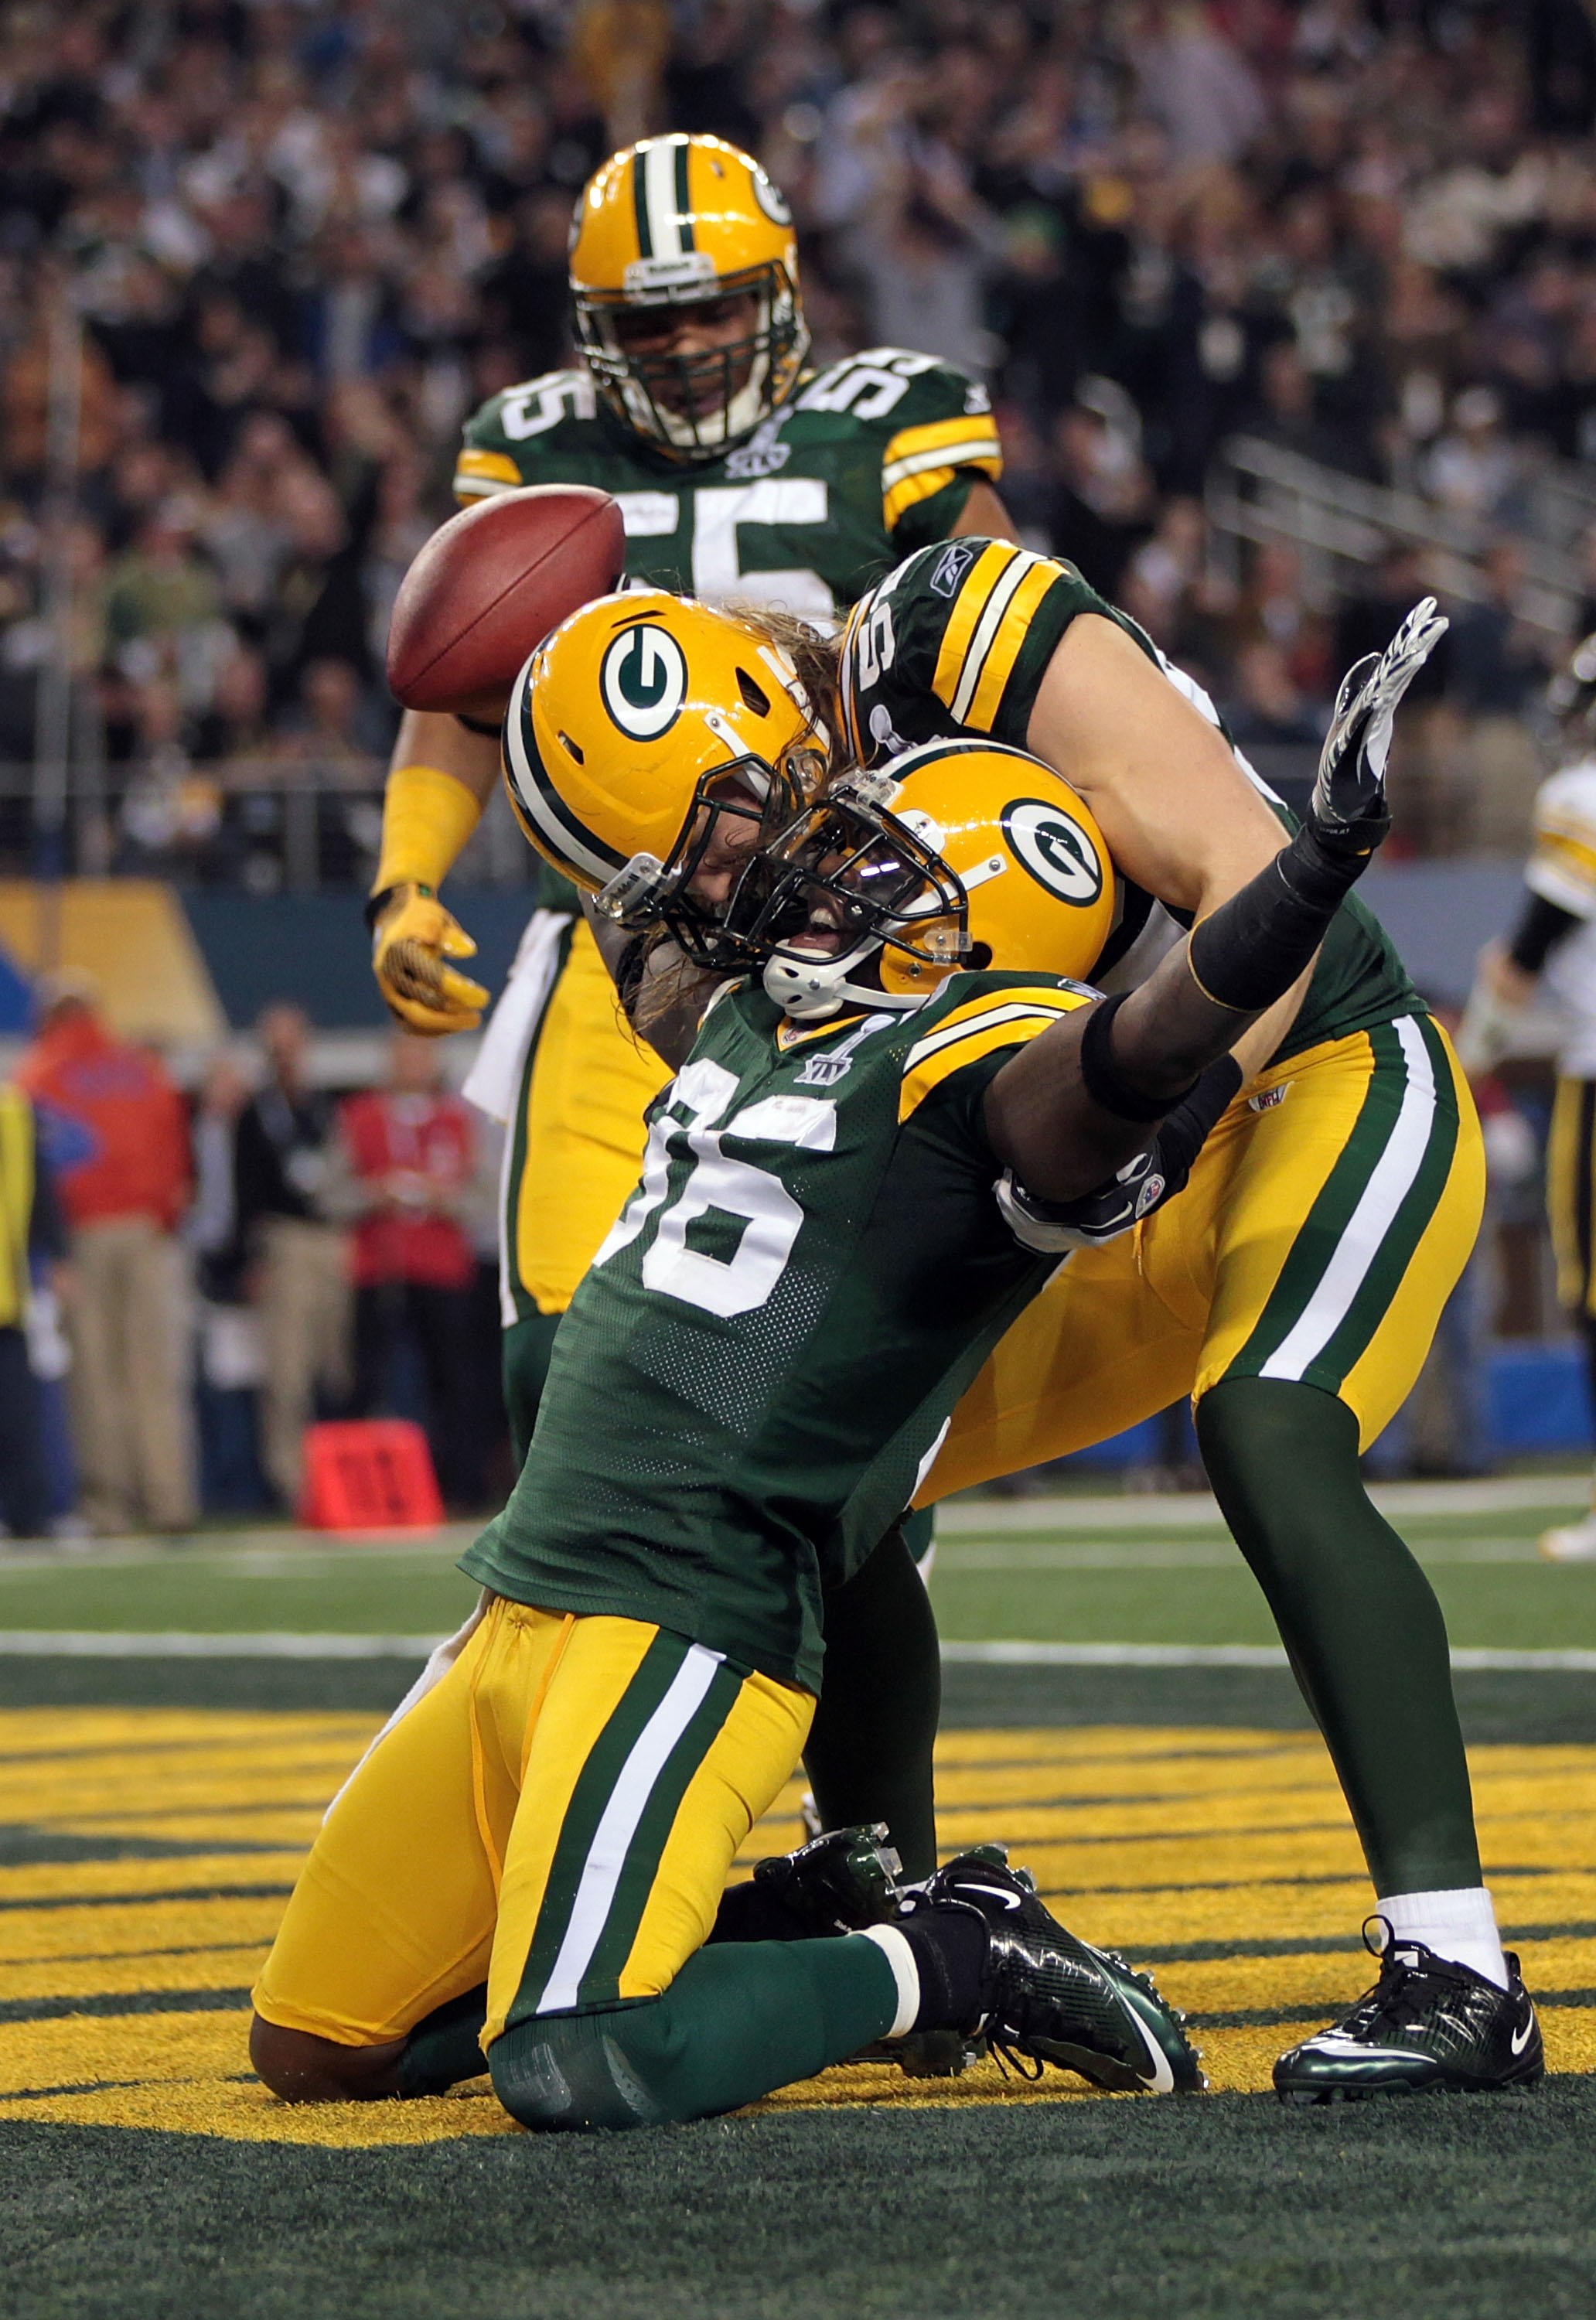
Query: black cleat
[1426, 2026]
[836, 1883]
[1050, 1996]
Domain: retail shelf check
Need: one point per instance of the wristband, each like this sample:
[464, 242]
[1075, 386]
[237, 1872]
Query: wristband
[427, 817]
[1105, 1083]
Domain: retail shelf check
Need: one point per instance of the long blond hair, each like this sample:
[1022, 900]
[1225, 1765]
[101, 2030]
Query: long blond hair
[816, 656]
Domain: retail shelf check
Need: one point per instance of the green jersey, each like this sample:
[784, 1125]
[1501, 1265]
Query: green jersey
[957, 639]
[813, 1267]
[864, 462]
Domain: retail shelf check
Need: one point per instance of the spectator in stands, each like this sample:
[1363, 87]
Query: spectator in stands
[1265, 710]
[118, 1136]
[408, 1150]
[298, 1256]
[228, 1366]
[1497, 662]
[32, 1233]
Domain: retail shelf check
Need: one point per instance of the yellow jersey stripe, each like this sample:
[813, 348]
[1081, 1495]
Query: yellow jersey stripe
[1009, 1027]
[1005, 649]
[1019, 994]
[968, 606]
[480, 473]
[1567, 851]
[949, 1035]
[902, 496]
[994, 613]
[958, 444]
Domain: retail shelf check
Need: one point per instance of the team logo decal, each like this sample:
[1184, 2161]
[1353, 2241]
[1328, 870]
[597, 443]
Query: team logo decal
[643, 679]
[1055, 849]
[770, 199]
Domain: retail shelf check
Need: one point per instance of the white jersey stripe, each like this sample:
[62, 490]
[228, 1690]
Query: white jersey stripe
[601, 1874]
[986, 628]
[1358, 1246]
[946, 455]
[1016, 1013]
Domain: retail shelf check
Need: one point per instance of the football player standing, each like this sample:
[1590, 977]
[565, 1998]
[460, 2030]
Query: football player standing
[1555, 940]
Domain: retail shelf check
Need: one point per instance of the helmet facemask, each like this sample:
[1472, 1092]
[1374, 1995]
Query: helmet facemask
[693, 407]
[746, 793]
[899, 913]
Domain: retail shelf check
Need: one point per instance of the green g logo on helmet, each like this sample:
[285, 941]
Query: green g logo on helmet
[643, 681]
[1055, 850]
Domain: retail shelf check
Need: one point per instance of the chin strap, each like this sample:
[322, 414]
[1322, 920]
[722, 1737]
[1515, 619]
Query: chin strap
[809, 994]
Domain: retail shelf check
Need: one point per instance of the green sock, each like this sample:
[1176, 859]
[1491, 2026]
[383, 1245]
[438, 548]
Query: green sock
[526, 1348]
[1359, 1620]
[739, 2021]
[446, 2045]
[869, 1752]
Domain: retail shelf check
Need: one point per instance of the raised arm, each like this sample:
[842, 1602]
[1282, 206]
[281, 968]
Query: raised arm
[1082, 1101]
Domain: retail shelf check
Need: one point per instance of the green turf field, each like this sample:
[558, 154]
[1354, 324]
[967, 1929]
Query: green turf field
[157, 1800]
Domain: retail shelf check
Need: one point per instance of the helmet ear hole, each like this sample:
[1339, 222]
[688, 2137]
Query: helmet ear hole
[979, 956]
[754, 695]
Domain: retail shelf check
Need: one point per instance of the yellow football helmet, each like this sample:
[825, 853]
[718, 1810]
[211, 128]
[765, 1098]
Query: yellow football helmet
[958, 854]
[640, 724]
[686, 221]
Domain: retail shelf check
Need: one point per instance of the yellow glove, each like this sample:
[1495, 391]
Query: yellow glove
[427, 817]
[410, 937]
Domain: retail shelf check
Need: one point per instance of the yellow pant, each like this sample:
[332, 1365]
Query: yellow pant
[579, 1133]
[1325, 1223]
[557, 1817]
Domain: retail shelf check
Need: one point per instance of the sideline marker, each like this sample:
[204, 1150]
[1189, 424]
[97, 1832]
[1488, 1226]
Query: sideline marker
[368, 1474]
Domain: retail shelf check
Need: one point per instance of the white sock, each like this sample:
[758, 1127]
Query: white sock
[895, 1947]
[1458, 1923]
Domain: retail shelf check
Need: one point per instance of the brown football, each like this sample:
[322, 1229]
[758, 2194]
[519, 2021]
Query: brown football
[490, 585]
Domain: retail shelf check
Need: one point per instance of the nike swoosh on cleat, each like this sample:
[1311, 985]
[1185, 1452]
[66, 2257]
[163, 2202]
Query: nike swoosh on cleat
[1009, 1900]
[1163, 2076]
[1521, 2038]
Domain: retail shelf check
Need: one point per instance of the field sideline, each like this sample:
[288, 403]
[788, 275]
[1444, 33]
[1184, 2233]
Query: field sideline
[157, 1806]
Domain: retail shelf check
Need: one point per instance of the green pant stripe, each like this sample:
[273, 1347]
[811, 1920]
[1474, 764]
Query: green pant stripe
[596, 1785]
[1350, 1342]
[1332, 1211]
[526, 1306]
[601, 1984]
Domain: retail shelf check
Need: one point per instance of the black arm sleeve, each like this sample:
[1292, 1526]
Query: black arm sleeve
[47, 1226]
[1541, 926]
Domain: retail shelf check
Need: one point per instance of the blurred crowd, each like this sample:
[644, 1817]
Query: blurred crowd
[304, 240]
[185, 1284]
